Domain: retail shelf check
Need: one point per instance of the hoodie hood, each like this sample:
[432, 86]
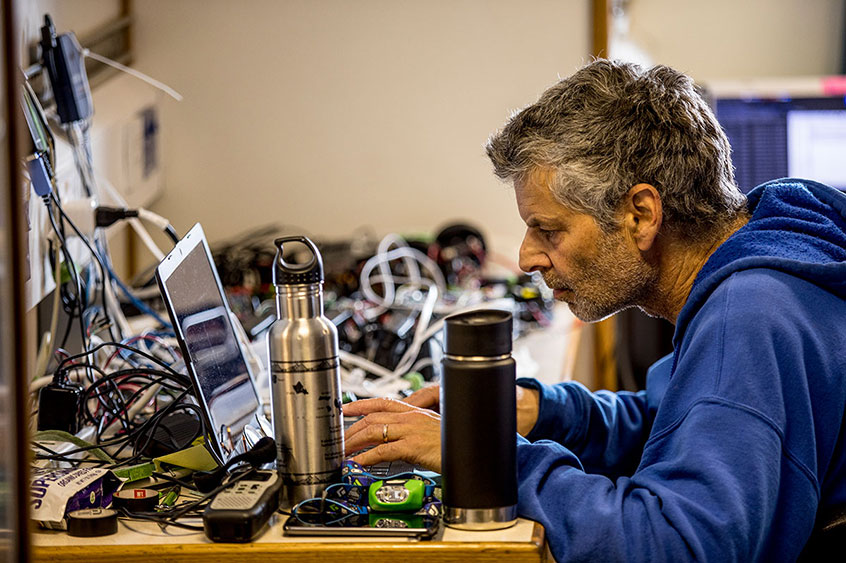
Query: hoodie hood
[796, 226]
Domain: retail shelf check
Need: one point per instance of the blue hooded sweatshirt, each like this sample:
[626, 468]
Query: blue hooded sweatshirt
[738, 440]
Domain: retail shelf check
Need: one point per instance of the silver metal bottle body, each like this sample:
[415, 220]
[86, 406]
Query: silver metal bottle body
[305, 393]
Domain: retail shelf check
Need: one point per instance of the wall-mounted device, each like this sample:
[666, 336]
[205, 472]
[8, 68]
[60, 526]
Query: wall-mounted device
[63, 59]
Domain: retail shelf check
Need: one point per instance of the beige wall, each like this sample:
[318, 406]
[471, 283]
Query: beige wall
[729, 39]
[335, 115]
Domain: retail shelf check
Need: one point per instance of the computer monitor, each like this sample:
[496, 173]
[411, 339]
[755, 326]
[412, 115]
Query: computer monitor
[781, 128]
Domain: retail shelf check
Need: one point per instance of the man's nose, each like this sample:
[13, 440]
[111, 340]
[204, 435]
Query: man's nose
[532, 256]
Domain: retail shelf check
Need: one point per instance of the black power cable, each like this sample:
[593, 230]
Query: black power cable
[105, 389]
[97, 259]
[71, 267]
[61, 367]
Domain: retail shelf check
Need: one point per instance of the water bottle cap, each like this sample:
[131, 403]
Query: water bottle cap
[486, 332]
[285, 273]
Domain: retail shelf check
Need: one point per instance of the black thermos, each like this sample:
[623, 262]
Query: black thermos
[479, 422]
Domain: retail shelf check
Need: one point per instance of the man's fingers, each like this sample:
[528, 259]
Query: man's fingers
[395, 430]
[427, 397]
[396, 447]
[381, 404]
[368, 431]
[413, 436]
[361, 439]
[384, 452]
[370, 419]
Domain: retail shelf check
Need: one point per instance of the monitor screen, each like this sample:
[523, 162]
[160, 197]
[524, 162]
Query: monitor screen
[203, 325]
[779, 134]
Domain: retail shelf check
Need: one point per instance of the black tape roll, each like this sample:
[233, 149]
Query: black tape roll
[136, 500]
[92, 522]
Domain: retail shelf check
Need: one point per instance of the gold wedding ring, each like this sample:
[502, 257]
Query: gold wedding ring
[384, 433]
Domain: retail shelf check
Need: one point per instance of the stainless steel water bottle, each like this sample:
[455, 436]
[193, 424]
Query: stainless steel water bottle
[479, 422]
[305, 380]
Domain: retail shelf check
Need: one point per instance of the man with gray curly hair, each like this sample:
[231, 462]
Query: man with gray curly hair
[736, 448]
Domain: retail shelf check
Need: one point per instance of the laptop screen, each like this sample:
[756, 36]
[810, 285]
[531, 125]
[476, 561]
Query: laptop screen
[202, 322]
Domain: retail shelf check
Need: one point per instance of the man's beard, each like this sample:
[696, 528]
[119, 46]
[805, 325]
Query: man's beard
[611, 281]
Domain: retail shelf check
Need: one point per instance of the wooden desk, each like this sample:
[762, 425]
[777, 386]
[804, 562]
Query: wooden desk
[145, 542]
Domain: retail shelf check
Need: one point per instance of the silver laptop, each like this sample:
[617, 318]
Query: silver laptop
[215, 361]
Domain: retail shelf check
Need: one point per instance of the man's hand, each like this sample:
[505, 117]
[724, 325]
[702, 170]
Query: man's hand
[527, 405]
[397, 430]
[426, 398]
[528, 408]
[410, 431]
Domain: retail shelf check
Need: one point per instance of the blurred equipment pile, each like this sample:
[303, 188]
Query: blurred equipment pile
[387, 297]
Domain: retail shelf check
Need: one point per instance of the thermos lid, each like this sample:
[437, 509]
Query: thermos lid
[285, 273]
[486, 332]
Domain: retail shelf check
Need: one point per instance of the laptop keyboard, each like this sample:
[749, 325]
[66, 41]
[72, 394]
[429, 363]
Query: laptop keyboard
[388, 468]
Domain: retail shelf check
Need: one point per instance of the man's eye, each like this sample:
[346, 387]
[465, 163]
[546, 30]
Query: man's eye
[547, 233]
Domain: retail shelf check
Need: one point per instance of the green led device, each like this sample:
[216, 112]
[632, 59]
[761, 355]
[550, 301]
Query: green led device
[396, 495]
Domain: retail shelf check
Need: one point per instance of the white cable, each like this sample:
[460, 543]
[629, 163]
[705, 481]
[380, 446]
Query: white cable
[386, 389]
[393, 239]
[503, 304]
[100, 357]
[387, 289]
[407, 286]
[113, 303]
[365, 364]
[42, 381]
[153, 218]
[386, 385]
[392, 382]
[387, 279]
[422, 324]
[80, 142]
[411, 258]
[144, 235]
[421, 363]
[418, 339]
[136, 73]
[353, 380]
[44, 349]
[114, 310]
[136, 224]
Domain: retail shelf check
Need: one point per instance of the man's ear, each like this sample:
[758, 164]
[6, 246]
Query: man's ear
[643, 214]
